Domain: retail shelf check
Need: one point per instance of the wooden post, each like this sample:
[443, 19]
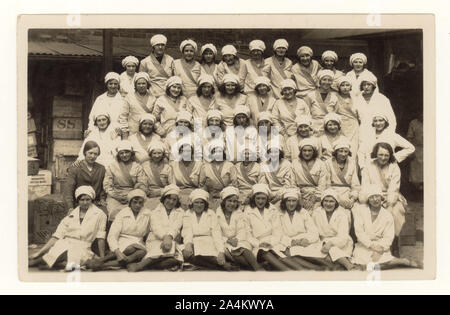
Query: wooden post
[107, 51]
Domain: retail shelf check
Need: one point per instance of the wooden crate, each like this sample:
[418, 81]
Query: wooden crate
[66, 148]
[48, 213]
[67, 128]
[32, 151]
[67, 106]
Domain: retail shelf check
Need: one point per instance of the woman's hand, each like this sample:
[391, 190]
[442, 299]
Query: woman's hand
[76, 163]
[166, 244]
[377, 248]
[233, 241]
[86, 133]
[304, 242]
[376, 257]
[221, 259]
[326, 248]
[188, 251]
[121, 257]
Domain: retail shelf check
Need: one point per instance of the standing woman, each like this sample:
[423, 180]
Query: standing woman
[260, 100]
[329, 60]
[305, 71]
[357, 62]
[208, 61]
[230, 64]
[264, 228]
[310, 174]
[322, 101]
[137, 102]
[187, 68]
[304, 130]
[167, 106]
[201, 233]
[279, 66]
[254, 67]
[248, 173]
[130, 64]
[145, 135]
[288, 108]
[233, 226]
[199, 105]
[158, 65]
[230, 97]
[75, 234]
[121, 177]
[332, 134]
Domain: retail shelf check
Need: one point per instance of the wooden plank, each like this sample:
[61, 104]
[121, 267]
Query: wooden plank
[66, 147]
[67, 128]
[67, 106]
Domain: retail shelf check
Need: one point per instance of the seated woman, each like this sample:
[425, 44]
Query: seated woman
[158, 172]
[126, 235]
[329, 60]
[279, 66]
[357, 61]
[288, 108]
[322, 100]
[229, 98]
[130, 64]
[264, 228]
[384, 171]
[138, 102]
[208, 61]
[168, 105]
[233, 226]
[304, 131]
[75, 234]
[199, 105]
[332, 223]
[310, 174]
[163, 243]
[374, 227]
[105, 136]
[332, 134]
[201, 233]
[230, 64]
[248, 173]
[121, 177]
[260, 99]
[187, 68]
[216, 173]
[305, 71]
[145, 135]
[255, 66]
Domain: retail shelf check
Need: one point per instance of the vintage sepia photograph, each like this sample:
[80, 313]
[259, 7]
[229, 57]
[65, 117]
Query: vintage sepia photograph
[258, 147]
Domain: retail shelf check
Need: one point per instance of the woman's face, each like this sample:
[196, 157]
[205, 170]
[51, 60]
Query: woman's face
[305, 59]
[328, 63]
[112, 86]
[230, 87]
[379, 124]
[229, 59]
[332, 127]
[102, 122]
[345, 88]
[383, 156]
[261, 200]
[198, 206]
[208, 56]
[288, 93]
[188, 53]
[280, 52]
[307, 152]
[84, 202]
[375, 201]
[125, 155]
[186, 153]
[342, 154]
[170, 202]
[326, 83]
[217, 154]
[329, 204]
[231, 203]
[358, 65]
[265, 125]
[241, 119]
[175, 90]
[367, 87]
[131, 68]
[91, 155]
[214, 121]
[273, 154]
[262, 89]
[157, 155]
[291, 204]
[136, 204]
[256, 54]
[207, 89]
[303, 131]
[141, 86]
[147, 127]
[159, 49]
[183, 123]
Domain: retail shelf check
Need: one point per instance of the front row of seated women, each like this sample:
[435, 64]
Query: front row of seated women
[258, 236]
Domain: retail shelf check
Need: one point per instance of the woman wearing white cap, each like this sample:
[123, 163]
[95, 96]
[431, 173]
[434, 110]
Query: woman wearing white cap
[215, 126]
[322, 100]
[248, 173]
[75, 234]
[332, 134]
[288, 108]
[333, 227]
[146, 134]
[110, 102]
[305, 71]
[255, 66]
[264, 228]
[357, 61]
[230, 64]
[230, 97]
[163, 243]
[130, 64]
[216, 172]
[233, 226]
[202, 237]
[168, 105]
[121, 177]
[304, 130]
[329, 60]
[137, 102]
[261, 99]
[203, 101]
[310, 174]
[374, 227]
[267, 132]
[187, 68]
[279, 66]
[208, 52]
[126, 235]
[158, 65]
[382, 133]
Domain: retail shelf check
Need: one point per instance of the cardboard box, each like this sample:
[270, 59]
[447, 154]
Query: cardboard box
[67, 106]
[43, 178]
[35, 192]
[48, 213]
[33, 166]
[67, 128]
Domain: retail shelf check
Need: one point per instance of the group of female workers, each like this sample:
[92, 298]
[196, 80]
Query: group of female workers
[257, 164]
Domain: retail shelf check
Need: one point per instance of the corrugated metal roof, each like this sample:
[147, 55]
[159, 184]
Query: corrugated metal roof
[63, 49]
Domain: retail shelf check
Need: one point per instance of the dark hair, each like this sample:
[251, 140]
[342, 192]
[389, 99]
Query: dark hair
[222, 125]
[335, 207]
[188, 45]
[168, 91]
[118, 85]
[148, 84]
[237, 89]
[79, 197]
[163, 198]
[259, 123]
[280, 153]
[190, 127]
[361, 85]
[203, 58]
[283, 207]
[315, 154]
[222, 203]
[140, 127]
[334, 153]
[326, 128]
[385, 146]
[132, 158]
[90, 145]
[256, 88]
[206, 203]
[282, 94]
[199, 89]
[253, 203]
[181, 148]
[109, 121]
[129, 202]
[247, 123]
[385, 125]
[224, 154]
